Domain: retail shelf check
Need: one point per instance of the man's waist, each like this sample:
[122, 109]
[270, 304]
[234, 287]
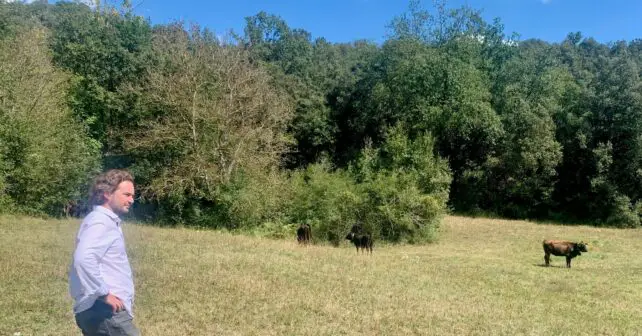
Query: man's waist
[101, 307]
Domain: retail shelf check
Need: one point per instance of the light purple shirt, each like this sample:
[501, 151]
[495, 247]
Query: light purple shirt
[100, 264]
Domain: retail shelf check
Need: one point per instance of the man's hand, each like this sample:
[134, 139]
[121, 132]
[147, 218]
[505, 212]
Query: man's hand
[114, 302]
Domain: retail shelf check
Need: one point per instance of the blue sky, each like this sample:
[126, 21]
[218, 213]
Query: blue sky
[349, 20]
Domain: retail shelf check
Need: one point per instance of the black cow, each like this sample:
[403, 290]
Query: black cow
[304, 234]
[360, 239]
[562, 248]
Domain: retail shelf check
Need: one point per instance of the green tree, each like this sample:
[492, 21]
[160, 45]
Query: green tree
[599, 127]
[524, 175]
[105, 49]
[210, 114]
[45, 155]
[314, 73]
[424, 89]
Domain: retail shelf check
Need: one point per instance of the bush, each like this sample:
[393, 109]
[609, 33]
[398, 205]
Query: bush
[329, 201]
[405, 187]
[622, 213]
[252, 201]
[396, 210]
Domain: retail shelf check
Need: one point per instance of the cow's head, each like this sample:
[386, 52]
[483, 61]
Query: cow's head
[357, 228]
[350, 236]
[581, 246]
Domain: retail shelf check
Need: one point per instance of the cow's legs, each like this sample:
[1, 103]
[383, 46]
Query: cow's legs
[568, 261]
[547, 259]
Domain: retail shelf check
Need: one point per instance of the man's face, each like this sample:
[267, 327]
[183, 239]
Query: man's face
[121, 199]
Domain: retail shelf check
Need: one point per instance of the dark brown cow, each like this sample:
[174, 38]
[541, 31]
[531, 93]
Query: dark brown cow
[304, 234]
[562, 248]
[360, 239]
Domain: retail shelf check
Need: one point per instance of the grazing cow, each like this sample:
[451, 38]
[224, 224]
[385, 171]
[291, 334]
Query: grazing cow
[73, 209]
[360, 239]
[562, 248]
[304, 234]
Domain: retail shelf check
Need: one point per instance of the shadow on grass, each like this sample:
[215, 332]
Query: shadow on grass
[553, 266]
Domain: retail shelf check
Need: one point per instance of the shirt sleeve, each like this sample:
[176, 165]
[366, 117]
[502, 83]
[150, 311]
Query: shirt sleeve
[93, 243]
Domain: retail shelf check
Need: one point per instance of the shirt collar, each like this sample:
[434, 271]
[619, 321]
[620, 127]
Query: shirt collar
[109, 213]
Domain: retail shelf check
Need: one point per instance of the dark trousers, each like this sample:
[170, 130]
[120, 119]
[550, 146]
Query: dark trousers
[100, 321]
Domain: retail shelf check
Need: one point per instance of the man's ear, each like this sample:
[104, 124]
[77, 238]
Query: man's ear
[106, 197]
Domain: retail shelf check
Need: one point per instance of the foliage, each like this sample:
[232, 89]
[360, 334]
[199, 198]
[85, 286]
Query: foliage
[398, 193]
[105, 49]
[330, 201]
[45, 155]
[209, 115]
[252, 132]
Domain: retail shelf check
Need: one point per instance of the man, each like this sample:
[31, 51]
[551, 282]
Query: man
[100, 278]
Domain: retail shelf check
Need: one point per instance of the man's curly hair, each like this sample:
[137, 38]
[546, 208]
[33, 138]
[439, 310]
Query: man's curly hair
[107, 183]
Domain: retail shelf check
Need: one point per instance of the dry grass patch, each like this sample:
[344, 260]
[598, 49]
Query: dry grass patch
[483, 277]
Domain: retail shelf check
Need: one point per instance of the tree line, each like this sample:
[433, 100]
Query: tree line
[269, 128]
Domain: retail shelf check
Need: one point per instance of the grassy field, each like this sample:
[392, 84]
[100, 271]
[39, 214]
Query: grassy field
[483, 277]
